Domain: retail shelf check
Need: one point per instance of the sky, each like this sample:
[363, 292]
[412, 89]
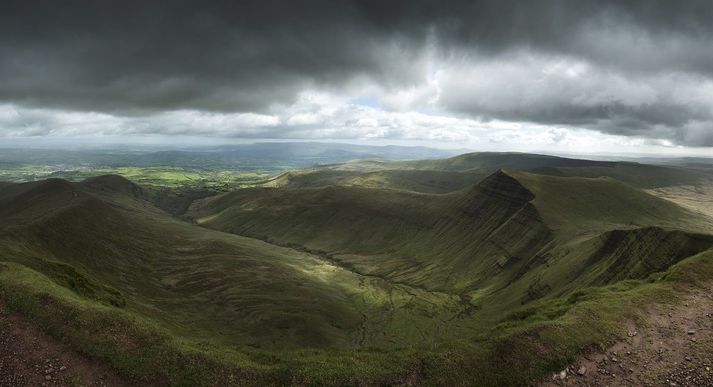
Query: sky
[582, 76]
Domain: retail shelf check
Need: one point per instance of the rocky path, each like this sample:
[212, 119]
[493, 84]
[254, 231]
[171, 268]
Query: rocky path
[673, 348]
[29, 357]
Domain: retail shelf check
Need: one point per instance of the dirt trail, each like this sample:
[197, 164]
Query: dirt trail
[28, 357]
[673, 348]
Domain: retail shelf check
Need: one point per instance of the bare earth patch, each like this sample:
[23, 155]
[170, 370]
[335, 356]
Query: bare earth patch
[28, 357]
[673, 348]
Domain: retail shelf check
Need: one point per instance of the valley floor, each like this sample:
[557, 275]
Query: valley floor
[672, 345]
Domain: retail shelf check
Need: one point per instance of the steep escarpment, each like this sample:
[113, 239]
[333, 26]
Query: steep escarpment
[603, 231]
[454, 241]
[518, 231]
[575, 206]
[499, 187]
[501, 242]
[601, 260]
[436, 283]
[490, 231]
[634, 254]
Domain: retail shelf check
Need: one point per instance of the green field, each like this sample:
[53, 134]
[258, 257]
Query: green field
[160, 177]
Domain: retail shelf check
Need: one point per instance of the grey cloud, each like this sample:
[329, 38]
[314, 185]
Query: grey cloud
[122, 55]
[567, 92]
[146, 57]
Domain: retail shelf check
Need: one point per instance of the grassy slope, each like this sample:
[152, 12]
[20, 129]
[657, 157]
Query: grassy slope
[475, 240]
[523, 348]
[598, 204]
[211, 285]
[196, 276]
[513, 238]
[423, 240]
[639, 175]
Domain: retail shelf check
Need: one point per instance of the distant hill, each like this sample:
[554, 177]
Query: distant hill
[451, 174]
[258, 156]
[427, 181]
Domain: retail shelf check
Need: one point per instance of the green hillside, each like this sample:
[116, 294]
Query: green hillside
[343, 284]
[595, 204]
[199, 282]
[478, 238]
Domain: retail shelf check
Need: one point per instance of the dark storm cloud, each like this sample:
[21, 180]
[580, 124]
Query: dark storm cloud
[177, 54]
[139, 57]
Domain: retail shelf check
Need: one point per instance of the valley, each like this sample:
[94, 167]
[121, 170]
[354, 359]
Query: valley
[356, 193]
[359, 272]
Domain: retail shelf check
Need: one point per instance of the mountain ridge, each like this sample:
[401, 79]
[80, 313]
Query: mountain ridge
[368, 276]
